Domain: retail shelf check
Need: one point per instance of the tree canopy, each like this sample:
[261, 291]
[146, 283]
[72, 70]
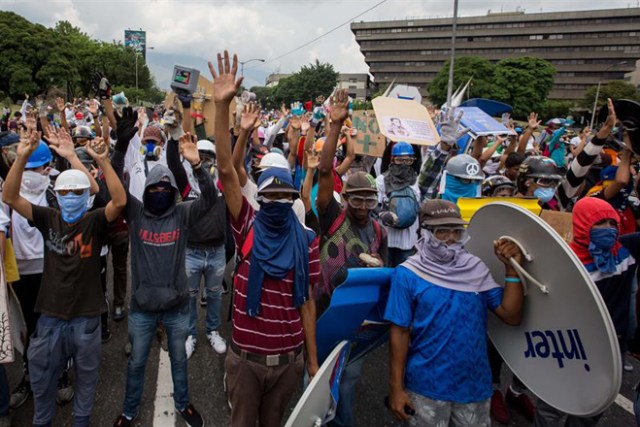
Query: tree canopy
[36, 59]
[304, 85]
[614, 89]
[523, 83]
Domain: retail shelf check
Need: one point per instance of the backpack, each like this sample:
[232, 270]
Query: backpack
[404, 204]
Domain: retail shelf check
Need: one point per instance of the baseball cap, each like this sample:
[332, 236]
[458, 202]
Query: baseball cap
[8, 138]
[440, 212]
[360, 181]
[276, 180]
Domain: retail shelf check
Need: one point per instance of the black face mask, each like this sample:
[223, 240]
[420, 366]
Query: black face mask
[158, 202]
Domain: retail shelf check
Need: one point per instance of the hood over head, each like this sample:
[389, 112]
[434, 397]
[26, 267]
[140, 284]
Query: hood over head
[160, 173]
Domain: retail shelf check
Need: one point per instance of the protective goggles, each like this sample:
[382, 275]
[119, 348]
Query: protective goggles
[403, 161]
[445, 234]
[78, 192]
[357, 202]
[547, 182]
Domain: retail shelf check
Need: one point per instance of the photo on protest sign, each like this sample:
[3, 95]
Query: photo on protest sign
[137, 40]
[368, 141]
[405, 120]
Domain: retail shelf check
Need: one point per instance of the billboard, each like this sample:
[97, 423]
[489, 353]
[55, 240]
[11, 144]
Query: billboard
[136, 39]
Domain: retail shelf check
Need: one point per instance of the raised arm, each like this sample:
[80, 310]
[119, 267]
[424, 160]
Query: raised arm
[350, 155]
[99, 150]
[60, 141]
[532, 125]
[249, 121]
[225, 87]
[199, 207]
[339, 112]
[623, 175]
[29, 141]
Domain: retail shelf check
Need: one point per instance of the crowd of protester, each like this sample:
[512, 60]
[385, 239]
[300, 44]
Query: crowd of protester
[283, 197]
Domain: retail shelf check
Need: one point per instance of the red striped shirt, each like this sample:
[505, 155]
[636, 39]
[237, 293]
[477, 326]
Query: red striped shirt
[278, 327]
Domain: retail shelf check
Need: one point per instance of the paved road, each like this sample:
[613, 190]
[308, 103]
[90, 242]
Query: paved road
[205, 381]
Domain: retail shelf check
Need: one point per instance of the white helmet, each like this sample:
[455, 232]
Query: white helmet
[206, 146]
[274, 160]
[72, 179]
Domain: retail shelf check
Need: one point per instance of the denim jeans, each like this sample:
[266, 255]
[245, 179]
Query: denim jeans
[50, 347]
[209, 263]
[350, 377]
[4, 392]
[142, 332]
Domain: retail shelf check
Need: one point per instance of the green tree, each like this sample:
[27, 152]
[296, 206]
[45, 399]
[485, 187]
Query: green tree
[36, 59]
[524, 83]
[307, 84]
[264, 96]
[614, 89]
[479, 70]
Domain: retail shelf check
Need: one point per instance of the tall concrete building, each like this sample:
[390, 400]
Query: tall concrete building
[585, 47]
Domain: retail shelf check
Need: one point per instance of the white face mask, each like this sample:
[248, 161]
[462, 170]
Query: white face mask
[34, 183]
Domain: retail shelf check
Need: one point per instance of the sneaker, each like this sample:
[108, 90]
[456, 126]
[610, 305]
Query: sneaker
[123, 421]
[161, 333]
[118, 313]
[521, 403]
[499, 410]
[192, 417]
[65, 391]
[203, 299]
[20, 394]
[217, 342]
[190, 345]
[626, 364]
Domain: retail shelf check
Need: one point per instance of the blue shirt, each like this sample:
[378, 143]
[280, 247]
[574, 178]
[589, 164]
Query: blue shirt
[447, 358]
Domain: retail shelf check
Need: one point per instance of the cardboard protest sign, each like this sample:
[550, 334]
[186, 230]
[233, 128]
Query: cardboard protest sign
[6, 342]
[203, 103]
[480, 123]
[565, 349]
[560, 222]
[405, 120]
[369, 141]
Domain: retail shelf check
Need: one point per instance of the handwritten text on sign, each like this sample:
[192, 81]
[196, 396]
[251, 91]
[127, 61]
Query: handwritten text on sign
[369, 141]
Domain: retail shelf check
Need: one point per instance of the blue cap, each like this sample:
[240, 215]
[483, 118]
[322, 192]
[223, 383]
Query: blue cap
[276, 180]
[402, 148]
[9, 138]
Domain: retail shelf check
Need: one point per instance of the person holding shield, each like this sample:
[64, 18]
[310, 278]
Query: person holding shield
[438, 302]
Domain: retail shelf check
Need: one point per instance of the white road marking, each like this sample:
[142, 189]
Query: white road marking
[625, 403]
[163, 406]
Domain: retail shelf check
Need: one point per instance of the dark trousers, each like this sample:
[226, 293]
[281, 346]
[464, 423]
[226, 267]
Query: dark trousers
[26, 290]
[119, 243]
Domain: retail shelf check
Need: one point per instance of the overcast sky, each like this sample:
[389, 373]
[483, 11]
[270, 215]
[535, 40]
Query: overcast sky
[190, 32]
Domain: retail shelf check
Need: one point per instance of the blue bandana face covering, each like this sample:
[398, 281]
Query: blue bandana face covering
[454, 189]
[544, 194]
[601, 242]
[73, 206]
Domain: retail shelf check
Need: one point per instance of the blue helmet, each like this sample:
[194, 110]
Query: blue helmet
[41, 156]
[402, 149]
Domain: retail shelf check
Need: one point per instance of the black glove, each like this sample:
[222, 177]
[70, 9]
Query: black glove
[101, 86]
[126, 128]
[185, 97]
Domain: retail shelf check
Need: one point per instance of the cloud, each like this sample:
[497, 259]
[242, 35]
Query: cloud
[190, 32]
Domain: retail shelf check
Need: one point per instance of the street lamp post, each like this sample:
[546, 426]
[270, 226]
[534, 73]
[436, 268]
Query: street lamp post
[453, 52]
[246, 62]
[595, 103]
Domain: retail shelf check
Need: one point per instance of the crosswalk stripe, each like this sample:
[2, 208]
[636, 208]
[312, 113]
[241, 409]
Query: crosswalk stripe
[163, 406]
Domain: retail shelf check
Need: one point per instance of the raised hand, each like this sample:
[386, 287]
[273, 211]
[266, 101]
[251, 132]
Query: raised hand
[225, 84]
[249, 117]
[295, 122]
[533, 121]
[339, 105]
[31, 122]
[98, 149]
[64, 148]
[304, 124]
[60, 104]
[101, 86]
[189, 148]
[313, 160]
[53, 136]
[126, 125]
[450, 130]
[29, 141]
[93, 107]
